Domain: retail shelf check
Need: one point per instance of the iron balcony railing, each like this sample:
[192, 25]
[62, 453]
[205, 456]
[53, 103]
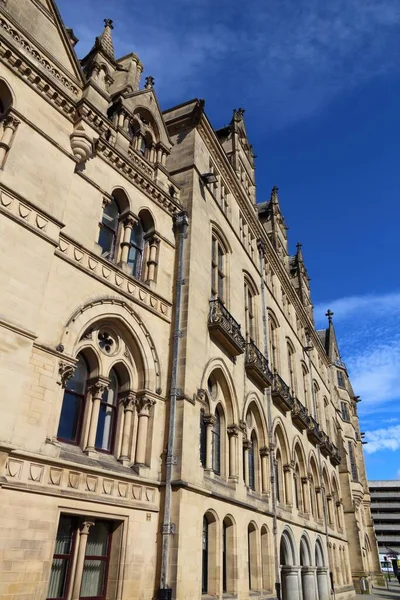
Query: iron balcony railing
[281, 395]
[257, 365]
[225, 328]
[316, 435]
[299, 414]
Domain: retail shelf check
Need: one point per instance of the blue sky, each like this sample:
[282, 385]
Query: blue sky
[320, 82]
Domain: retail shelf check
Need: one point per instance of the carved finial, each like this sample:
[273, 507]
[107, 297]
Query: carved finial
[108, 23]
[299, 251]
[329, 314]
[150, 81]
[238, 113]
[274, 194]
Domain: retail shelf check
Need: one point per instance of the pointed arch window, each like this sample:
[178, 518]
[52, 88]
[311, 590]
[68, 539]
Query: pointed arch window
[135, 256]
[291, 366]
[203, 439]
[109, 230]
[107, 416]
[218, 269]
[278, 465]
[73, 404]
[252, 459]
[249, 312]
[297, 492]
[216, 443]
[204, 556]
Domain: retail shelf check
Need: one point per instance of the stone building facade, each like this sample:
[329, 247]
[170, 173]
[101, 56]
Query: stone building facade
[172, 423]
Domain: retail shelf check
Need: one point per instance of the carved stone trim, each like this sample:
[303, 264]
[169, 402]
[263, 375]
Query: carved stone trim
[233, 431]
[66, 371]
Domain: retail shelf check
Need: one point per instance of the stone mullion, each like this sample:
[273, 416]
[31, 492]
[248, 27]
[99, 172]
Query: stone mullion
[144, 405]
[96, 389]
[80, 560]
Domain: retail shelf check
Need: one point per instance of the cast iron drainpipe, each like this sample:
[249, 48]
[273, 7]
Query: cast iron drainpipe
[181, 223]
[267, 392]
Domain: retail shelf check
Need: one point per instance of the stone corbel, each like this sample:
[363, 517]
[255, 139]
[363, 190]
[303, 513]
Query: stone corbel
[82, 145]
[66, 371]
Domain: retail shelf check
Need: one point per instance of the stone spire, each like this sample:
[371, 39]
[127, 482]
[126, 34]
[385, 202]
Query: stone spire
[104, 42]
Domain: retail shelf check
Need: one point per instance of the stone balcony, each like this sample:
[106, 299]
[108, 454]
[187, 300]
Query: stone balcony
[281, 396]
[315, 434]
[327, 447]
[257, 366]
[224, 329]
[299, 415]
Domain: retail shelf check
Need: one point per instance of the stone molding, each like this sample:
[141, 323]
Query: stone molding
[109, 274]
[27, 46]
[63, 480]
[27, 215]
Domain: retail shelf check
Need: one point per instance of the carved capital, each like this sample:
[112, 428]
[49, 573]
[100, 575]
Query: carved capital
[243, 427]
[144, 405]
[85, 527]
[247, 444]
[129, 220]
[264, 451]
[210, 420]
[11, 122]
[329, 498]
[154, 240]
[233, 431]
[201, 395]
[97, 387]
[66, 371]
[304, 480]
[129, 401]
[287, 468]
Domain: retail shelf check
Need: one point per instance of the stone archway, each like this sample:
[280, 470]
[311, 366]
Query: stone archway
[289, 570]
[308, 583]
[322, 572]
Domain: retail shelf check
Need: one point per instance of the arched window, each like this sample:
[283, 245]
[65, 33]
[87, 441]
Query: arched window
[228, 556]
[297, 484]
[204, 557]
[252, 460]
[109, 230]
[218, 270]
[249, 313]
[203, 439]
[265, 554]
[107, 415]
[73, 404]
[306, 387]
[216, 443]
[291, 366]
[252, 557]
[273, 343]
[5, 98]
[312, 496]
[135, 256]
[278, 482]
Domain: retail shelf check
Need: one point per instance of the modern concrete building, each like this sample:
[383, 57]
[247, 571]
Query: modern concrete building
[171, 421]
[385, 509]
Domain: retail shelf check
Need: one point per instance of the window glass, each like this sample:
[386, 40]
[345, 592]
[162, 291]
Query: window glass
[109, 229]
[95, 566]
[204, 574]
[203, 447]
[216, 444]
[135, 256]
[62, 558]
[73, 404]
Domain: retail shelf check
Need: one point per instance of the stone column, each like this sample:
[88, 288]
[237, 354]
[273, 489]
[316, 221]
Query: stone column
[246, 448]
[233, 433]
[129, 223]
[144, 405]
[10, 124]
[287, 470]
[306, 494]
[290, 583]
[80, 560]
[308, 583]
[152, 262]
[96, 389]
[129, 403]
[264, 453]
[323, 583]
[209, 421]
[339, 512]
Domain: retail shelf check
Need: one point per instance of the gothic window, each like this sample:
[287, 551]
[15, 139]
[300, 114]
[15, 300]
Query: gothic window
[204, 564]
[249, 312]
[93, 582]
[109, 230]
[135, 256]
[252, 461]
[107, 416]
[73, 404]
[273, 342]
[306, 384]
[203, 439]
[216, 443]
[291, 366]
[278, 480]
[297, 491]
[218, 270]
[252, 556]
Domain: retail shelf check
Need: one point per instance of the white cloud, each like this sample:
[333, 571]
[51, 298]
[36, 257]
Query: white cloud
[382, 439]
[353, 306]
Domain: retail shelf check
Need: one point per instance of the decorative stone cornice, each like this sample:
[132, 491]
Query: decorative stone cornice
[127, 169]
